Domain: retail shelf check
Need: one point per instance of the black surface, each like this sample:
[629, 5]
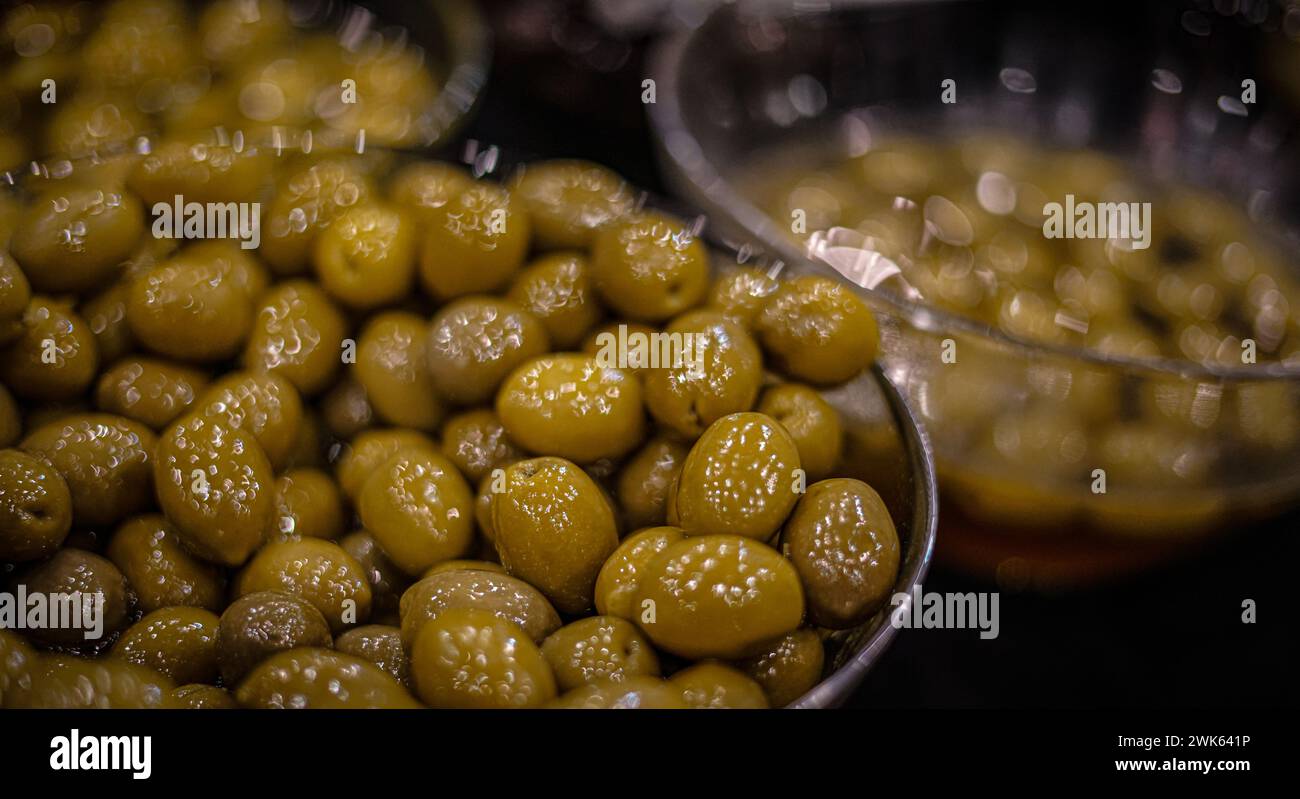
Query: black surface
[1170, 637]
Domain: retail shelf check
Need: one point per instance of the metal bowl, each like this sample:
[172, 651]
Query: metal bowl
[884, 444]
[761, 82]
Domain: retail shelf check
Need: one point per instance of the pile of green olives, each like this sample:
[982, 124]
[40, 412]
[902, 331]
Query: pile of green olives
[76, 77]
[395, 457]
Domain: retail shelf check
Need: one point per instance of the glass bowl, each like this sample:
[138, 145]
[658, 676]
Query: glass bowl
[762, 87]
[884, 445]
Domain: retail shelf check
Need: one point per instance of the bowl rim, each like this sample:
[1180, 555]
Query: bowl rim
[686, 164]
[834, 689]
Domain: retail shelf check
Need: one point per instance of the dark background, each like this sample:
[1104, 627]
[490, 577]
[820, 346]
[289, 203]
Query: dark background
[565, 85]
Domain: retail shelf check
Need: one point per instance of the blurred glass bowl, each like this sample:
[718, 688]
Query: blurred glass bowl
[1020, 426]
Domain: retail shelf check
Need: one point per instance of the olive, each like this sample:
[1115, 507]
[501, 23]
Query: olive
[256, 626]
[842, 542]
[598, 648]
[35, 507]
[160, 570]
[742, 477]
[315, 570]
[469, 658]
[554, 528]
[215, 485]
[508, 597]
[719, 596]
[419, 509]
[321, 678]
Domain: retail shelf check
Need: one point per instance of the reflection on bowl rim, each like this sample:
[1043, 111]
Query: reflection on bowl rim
[684, 158]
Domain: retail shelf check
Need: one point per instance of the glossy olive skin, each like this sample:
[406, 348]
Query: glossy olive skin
[419, 509]
[557, 289]
[54, 358]
[368, 452]
[72, 239]
[67, 682]
[570, 200]
[818, 330]
[318, 571]
[842, 542]
[720, 376]
[180, 642]
[598, 648]
[106, 314]
[197, 696]
[381, 645]
[150, 391]
[71, 571]
[297, 333]
[393, 367]
[509, 598]
[632, 693]
[162, 573]
[477, 443]
[11, 418]
[321, 678]
[346, 410]
[106, 460]
[469, 658]
[620, 576]
[600, 339]
[572, 407]
[718, 596]
[741, 293]
[554, 529]
[425, 186]
[645, 480]
[307, 505]
[474, 343]
[266, 406]
[713, 686]
[199, 305]
[216, 486]
[387, 582]
[649, 267]
[463, 564]
[17, 661]
[35, 507]
[740, 478]
[474, 243]
[812, 423]
[366, 257]
[15, 293]
[256, 626]
[307, 200]
[199, 169]
[788, 668]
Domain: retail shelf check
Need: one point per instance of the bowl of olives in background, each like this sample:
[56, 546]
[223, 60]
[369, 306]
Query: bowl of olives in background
[1098, 403]
[78, 76]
